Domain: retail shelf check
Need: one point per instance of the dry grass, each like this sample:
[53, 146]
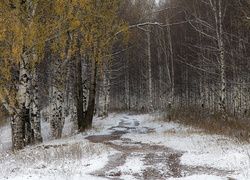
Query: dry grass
[46, 155]
[212, 122]
[129, 112]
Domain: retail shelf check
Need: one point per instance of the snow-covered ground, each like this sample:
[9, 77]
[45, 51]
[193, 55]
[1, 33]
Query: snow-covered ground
[74, 157]
[200, 149]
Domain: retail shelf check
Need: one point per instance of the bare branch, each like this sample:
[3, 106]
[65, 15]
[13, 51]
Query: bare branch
[155, 24]
[183, 60]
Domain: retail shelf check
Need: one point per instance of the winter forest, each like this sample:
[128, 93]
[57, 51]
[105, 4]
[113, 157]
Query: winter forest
[59, 58]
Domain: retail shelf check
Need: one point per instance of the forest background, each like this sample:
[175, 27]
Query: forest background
[189, 58]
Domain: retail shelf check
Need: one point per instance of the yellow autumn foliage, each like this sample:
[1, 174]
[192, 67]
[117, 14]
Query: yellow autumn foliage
[26, 26]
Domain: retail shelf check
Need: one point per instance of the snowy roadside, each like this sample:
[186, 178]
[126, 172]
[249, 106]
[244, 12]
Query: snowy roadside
[200, 149]
[71, 157]
[74, 157]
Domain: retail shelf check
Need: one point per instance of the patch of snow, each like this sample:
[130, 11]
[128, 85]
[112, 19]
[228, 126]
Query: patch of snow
[134, 165]
[230, 160]
[128, 177]
[5, 138]
[126, 144]
[200, 177]
[119, 129]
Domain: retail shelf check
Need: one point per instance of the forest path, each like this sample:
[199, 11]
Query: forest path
[137, 160]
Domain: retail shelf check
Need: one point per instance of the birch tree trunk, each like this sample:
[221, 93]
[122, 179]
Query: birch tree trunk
[104, 96]
[57, 101]
[57, 116]
[220, 39]
[20, 117]
[150, 81]
[127, 87]
[26, 126]
[17, 131]
[171, 59]
[57, 113]
[34, 111]
[26, 123]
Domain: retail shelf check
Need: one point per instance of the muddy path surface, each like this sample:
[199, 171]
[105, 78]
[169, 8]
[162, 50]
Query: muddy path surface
[159, 162]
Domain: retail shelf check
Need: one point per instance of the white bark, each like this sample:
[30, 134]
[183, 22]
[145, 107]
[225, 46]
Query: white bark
[85, 88]
[127, 88]
[57, 116]
[104, 96]
[220, 39]
[19, 118]
[171, 59]
[150, 81]
[34, 111]
[73, 113]
[22, 130]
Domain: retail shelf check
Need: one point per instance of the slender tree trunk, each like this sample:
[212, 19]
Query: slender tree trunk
[79, 96]
[34, 111]
[127, 87]
[57, 115]
[161, 90]
[220, 35]
[92, 93]
[53, 113]
[171, 57]
[150, 81]
[104, 96]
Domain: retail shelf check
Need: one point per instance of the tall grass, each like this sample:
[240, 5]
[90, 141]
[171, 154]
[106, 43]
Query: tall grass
[212, 121]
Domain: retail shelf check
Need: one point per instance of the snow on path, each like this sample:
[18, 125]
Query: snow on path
[212, 151]
[76, 158]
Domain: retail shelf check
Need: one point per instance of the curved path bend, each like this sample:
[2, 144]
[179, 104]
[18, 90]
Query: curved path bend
[156, 162]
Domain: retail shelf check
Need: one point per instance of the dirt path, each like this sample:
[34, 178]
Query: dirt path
[160, 162]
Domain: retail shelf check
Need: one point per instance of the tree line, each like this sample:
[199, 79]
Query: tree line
[79, 58]
[197, 54]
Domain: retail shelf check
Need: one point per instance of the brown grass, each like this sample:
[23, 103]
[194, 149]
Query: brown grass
[130, 112]
[212, 122]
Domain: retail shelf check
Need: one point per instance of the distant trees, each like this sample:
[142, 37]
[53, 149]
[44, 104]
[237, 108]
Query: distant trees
[198, 53]
[244, 6]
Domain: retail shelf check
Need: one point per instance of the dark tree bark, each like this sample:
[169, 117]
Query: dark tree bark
[92, 93]
[79, 96]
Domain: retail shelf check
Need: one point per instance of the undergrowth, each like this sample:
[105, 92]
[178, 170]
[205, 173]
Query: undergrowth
[130, 111]
[212, 122]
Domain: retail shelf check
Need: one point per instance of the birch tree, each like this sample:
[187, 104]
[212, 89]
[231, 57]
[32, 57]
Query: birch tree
[19, 48]
[26, 26]
[104, 91]
[218, 11]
